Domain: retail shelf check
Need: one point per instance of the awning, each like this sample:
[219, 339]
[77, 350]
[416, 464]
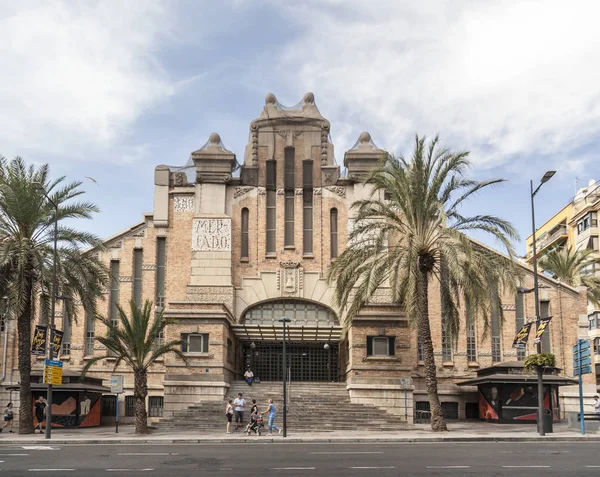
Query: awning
[293, 333]
[519, 378]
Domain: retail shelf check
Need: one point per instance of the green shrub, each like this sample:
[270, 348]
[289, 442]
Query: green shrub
[543, 360]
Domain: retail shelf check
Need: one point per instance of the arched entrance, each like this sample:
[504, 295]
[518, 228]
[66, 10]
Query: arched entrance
[312, 342]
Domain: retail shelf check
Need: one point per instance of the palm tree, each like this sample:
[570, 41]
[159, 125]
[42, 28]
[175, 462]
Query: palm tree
[27, 222]
[133, 342]
[575, 268]
[410, 232]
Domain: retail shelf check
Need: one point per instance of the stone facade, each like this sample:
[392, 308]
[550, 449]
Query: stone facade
[218, 266]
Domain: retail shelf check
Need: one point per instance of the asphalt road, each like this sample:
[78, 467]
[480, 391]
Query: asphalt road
[347, 460]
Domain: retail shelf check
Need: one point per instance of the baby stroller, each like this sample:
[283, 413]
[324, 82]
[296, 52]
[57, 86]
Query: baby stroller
[255, 426]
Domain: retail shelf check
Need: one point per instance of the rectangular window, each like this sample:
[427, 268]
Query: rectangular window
[380, 345]
[545, 313]
[89, 333]
[44, 310]
[66, 329]
[450, 410]
[245, 241]
[307, 207]
[288, 185]
[159, 340]
[495, 319]
[446, 337]
[137, 276]
[229, 351]
[109, 405]
[594, 321]
[593, 243]
[194, 342]
[129, 406]
[520, 320]
[333, 231]
[161, 251]
[271, 207]
[156, 403]
[419, 347]
[113, 315]
[471, 343]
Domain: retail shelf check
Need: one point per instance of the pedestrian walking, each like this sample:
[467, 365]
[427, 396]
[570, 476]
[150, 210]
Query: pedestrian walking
[271, 412]
[253, 415]
[8, 417]
[597, 405]
[249, 376]
[229, 415]
[40, 412]
[239, 404]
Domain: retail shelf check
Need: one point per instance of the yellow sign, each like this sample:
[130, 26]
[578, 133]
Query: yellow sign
[53, 372]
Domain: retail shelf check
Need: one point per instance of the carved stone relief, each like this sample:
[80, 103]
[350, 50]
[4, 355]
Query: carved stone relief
[317, 191]
[299, 191]
[509, 307]
[290, 278]
[280, 191]
[180, 180]
[211, 235]
[125, 279]
[262, 191]
[240, 191]
[341, 191]
[254, 141]
[149, 266]
[183, 203]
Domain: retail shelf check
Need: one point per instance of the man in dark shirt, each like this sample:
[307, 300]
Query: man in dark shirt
[40, 411]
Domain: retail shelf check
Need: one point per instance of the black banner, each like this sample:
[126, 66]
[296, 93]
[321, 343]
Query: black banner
[38, 345]
[542, 325]
[57, 338]
[520, 341]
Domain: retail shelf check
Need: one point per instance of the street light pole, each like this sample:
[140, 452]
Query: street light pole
[540, 377]
[50, 336]
[284, 321]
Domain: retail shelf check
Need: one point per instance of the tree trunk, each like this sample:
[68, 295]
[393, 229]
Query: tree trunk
[438, 422]
[24, 352]
[140, 391]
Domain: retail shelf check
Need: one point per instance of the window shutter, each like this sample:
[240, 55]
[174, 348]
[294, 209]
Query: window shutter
[205, 344]
[392, 345]
[369, 346]
[184, 346]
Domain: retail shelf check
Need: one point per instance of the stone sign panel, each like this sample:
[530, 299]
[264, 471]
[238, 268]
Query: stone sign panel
[211, 235]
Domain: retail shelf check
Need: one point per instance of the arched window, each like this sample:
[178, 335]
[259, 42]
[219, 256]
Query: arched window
[245, 216]
[300, 312]
[333, 232]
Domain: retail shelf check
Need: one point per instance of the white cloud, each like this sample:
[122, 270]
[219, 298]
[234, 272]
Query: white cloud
[75, 75]
[502, 78]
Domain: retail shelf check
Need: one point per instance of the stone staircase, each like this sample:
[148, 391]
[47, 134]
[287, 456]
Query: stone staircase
[312, 407]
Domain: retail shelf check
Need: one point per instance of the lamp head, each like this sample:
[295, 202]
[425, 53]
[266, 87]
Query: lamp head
[39, 187]
[547, 176]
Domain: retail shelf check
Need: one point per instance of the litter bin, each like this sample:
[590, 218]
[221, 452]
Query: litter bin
[548, 422]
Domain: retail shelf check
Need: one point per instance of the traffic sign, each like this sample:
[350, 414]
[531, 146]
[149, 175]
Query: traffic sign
[584, 354]
[116, 384]
[578, 363]
[583, 370]
[53, 371]
[581, 345]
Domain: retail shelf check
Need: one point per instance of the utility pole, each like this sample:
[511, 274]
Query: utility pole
[284, 321]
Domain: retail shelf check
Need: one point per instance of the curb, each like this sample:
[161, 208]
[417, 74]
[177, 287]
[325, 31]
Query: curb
[300, 440]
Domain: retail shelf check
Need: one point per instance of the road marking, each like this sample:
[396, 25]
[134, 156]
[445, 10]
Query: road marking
[526, 466]
[39, 448]
[448, 467]
[129, 470]
[51, 470]
[328, 453]
[13, 455]
[149, 453]
[293, 468]
[593, 466]
[385, 467]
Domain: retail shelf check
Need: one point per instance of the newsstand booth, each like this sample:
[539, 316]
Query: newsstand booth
[75, 403]
[509, 395]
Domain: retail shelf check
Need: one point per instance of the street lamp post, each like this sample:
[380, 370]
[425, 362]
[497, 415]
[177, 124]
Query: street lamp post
[547, 176]
[50, 338]
[284, 321]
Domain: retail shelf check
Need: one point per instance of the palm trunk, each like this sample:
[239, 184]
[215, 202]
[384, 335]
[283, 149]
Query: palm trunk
[24, 352]
[438, 422]
[140, 391]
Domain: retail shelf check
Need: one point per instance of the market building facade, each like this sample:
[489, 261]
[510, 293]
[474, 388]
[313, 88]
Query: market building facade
[232, 248]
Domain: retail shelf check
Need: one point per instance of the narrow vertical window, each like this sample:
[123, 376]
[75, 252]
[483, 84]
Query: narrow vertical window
[245, 216]
[66, 329]
[271, 207]
[160, 271]
[495, 319]
[333, 233]
[520, 321]
[307, 209]
[446, 338]
[471, 335]
[137, 276]
[113, 314]
[545, 313]
[288, 186]
[420, 350]
[89, 333]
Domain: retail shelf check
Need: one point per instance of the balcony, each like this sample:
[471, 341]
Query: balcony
[555, 236]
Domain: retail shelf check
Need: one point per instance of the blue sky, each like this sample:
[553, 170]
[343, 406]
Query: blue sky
[111, 89]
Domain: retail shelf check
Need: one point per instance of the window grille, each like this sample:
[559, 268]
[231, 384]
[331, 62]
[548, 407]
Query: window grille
[129, 406]
[419, 347]
[109, 405]
[90, 324]
[156, 403]
[472, 410]
[307, 207]
[471, 343]
[289, 197]
[422, 412]
[300, 312]
[450, 410]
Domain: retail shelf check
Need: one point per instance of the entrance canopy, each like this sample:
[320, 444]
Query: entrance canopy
[274, 332]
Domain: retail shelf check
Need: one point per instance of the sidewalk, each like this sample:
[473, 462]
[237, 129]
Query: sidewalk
[459, 432]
